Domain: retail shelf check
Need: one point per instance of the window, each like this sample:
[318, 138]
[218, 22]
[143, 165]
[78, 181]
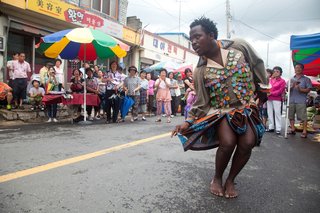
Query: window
[109, 7]
[106, 7]
[96, 4]
[114, 8]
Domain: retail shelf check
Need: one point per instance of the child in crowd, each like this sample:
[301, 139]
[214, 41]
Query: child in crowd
[36, 93]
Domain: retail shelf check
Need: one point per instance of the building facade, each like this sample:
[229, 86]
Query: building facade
[23, 23]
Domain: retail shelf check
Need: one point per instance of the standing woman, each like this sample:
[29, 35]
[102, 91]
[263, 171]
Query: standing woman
[278, 86]
[52, 81]
[112, 79]
[188, 80]
[143, 94]
[96, 71]
[132, 86]
[102, 93]
[182, 101]
[163, 96]
[174, 96]
[59, 72]
[150, 93]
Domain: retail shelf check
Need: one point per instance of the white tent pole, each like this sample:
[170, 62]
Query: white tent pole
[288, 100]
[85, 88]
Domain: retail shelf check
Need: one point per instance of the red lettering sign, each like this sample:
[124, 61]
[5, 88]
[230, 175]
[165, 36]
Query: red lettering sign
[80, 16]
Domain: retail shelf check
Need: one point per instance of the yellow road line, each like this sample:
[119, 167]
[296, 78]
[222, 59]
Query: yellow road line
[46, 167]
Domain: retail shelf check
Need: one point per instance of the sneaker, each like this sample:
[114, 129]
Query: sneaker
[164, 115]
[144, 119]
[132, 120]
[135, 119]
[42, 108]
[171, 116]
[98, 117]
[269, 130]
[278, 132]
[90, 118]
[55, 120]
[49, 121]
[32, 108]
[9, 107]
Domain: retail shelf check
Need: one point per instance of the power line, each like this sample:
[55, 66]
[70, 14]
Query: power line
[253, 28]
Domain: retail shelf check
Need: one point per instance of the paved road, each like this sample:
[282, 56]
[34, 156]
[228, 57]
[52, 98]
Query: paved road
[153, 176]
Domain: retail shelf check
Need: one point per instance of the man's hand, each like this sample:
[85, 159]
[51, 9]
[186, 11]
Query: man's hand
[180, 128]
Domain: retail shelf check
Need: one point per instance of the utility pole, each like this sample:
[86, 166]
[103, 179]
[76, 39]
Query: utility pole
[228, 18]
[179, 21]
[267, 56]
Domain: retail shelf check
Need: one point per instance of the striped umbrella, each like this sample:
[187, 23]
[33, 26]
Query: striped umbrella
[81, 43]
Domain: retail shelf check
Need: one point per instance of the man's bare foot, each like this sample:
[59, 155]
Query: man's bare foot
[216, 187]
[230, 190]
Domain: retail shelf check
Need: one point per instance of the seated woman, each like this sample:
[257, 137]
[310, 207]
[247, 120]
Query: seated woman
[92, 87]
[5, 95]
[77, 85]
[36, 93]
[76, 82]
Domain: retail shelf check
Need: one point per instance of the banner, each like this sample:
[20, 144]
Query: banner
[70, 13]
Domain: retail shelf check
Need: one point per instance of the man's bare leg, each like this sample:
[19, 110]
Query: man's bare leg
[227, 143]
[9, 97]
[240, 158]
[292, 126]
[304, 131]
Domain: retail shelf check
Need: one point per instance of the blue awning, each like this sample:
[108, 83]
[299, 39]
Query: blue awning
[305, 41]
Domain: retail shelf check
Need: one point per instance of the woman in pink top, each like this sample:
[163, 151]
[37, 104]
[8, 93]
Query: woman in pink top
[150, 93]
[163, 96]
[275, 100]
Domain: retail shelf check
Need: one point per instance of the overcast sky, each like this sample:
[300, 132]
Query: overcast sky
[261, 22]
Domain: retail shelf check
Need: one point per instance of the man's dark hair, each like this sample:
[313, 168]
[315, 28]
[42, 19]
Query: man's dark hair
[22, 53]
[207, 25]
[15, 53]
[301, 65]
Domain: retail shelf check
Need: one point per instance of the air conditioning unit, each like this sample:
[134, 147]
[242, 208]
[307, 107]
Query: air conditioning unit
[2, 43]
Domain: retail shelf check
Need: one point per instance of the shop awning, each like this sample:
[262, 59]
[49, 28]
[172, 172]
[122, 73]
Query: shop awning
[306, 50]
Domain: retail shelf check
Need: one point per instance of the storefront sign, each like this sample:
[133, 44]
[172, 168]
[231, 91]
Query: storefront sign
[162, 46]
[72, 14]
[83, 18]
[131, 36]
[17, 3]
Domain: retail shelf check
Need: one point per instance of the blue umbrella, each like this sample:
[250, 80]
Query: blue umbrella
[168, 65]
[127, 104]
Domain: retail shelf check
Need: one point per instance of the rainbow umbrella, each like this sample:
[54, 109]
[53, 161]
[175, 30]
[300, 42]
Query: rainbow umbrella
[306, 50]
[81, 43]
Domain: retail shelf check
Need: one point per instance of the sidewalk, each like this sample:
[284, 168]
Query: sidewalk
[16, 117]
